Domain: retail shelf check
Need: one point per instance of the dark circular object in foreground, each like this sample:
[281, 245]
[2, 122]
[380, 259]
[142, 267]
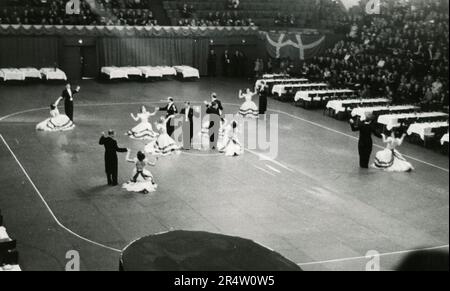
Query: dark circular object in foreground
[200, 251]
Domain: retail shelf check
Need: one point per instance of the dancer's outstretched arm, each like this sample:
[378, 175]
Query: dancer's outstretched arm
[134, 117]
[240, 94]
[400, 141]
[58, 100]
[154, 112]
[128, 158]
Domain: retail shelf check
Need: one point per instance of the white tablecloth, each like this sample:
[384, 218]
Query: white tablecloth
[425, 129]
[167, 71]
[444, 139]
[273, 76]
[305, 95]
[338, 105]
[115, 72]
[264, 82]
[361, 111]
[10, 268]
[53, 74]
[281, 88]
[391, 120]
[3, 233]
[11, 74]
[132, 71]
[31, 73]
[187, 72]
[151, 72]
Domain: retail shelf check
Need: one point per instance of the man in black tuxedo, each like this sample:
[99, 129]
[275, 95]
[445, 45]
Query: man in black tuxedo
[226, 64]
[365, 145]
[212, 63]
[171, 110]
[68, 95]
[214, 124]
[111, 162]
[219, 103]
[188, 125]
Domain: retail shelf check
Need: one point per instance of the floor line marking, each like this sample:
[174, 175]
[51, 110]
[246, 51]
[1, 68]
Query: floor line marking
[381, 255]
[48, 207]
[273, 169]
[232, 104]
[265, 171]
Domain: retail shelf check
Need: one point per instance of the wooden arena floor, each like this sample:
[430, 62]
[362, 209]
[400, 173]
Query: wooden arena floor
[312, 203]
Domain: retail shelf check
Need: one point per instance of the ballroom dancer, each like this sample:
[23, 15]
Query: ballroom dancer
[142, 181]
[57, 121]
[249, 108]
[215, 120]
[143, 130]
[262, 101]
[171, 110]
[231, 145]
[366, 129]
[188, 125]
[389, 159]
[164, 145]
[68, 95]
[111, 150]
[216, 100]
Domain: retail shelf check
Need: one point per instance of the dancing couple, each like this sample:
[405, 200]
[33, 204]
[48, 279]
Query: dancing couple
[58, 121]
[389, 159]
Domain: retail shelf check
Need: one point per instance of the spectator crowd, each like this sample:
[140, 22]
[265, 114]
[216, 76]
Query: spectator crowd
[92, 12]
[401, 54]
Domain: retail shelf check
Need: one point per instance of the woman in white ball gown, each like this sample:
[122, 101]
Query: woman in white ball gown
[231, 145]
[143, 130]
[390, 159]
[249, 108]
[57, 121]
[142, 181]
[164, 145]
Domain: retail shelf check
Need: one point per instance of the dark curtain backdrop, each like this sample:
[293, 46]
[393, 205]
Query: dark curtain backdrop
[201, 52]
[28, 51]
[153, 52]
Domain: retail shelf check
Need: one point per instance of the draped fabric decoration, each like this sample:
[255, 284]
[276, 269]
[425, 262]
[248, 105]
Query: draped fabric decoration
[146, 51]
[296, 46]
[28, 51]
[127, 31]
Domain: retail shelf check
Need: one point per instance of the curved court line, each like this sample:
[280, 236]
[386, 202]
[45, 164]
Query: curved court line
[274, 161]
[48, 207]
[365, 257]
[232, 104]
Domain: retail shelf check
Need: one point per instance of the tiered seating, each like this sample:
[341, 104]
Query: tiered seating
[98, 12]
[22, 74]
[9, 257]
[261, 12]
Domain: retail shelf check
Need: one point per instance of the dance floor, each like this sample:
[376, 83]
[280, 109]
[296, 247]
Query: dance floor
[312, 203]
